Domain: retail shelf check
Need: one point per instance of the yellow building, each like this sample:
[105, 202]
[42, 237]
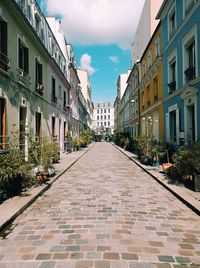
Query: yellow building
[150, 89]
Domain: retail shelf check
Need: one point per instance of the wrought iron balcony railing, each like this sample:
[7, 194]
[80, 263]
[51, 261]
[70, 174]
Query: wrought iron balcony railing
[4, 61]
[24, 77]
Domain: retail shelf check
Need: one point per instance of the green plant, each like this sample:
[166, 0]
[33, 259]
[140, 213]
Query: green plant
[187, 160]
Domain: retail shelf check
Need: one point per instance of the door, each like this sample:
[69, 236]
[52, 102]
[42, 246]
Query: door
[2, 123]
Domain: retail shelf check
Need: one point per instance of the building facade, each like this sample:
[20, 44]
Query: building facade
[146, 27]
[180, 22]
[35, 76]
[150, 89]
[103, 118]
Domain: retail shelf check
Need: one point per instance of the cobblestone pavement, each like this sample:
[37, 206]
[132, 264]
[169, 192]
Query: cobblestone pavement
[105, 212]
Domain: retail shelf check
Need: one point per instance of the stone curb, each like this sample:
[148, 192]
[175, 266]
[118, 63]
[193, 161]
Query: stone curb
[39, 192]
[189, 201]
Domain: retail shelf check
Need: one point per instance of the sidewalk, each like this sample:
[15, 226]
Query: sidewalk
[187, 196]
[13, 207]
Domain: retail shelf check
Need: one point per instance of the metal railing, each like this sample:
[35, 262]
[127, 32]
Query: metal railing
[23, 77]
[4, 61]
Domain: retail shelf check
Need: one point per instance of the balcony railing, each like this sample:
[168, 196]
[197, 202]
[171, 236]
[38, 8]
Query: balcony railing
[40, 88]
[172, 87]
[4, 61]
[156, 97]
[190, 73]
[189, 7]
[24, 77]
[54, 99]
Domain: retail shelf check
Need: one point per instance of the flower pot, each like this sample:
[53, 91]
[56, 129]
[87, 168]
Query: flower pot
[166, 167]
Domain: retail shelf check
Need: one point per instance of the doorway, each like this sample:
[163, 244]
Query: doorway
[190, 123]
[2, 124]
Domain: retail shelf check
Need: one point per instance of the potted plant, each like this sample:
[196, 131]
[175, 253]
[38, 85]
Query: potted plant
[187, 162]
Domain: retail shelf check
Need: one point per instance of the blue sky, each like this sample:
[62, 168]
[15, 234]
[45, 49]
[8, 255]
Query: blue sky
[101, 32]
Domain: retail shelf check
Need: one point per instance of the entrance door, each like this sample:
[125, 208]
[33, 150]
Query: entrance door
[190, 123]
[2, 123]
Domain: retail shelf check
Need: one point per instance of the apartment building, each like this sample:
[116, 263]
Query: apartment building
[103, 118]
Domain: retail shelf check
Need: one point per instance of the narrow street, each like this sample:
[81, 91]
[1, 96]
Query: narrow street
[105, 212]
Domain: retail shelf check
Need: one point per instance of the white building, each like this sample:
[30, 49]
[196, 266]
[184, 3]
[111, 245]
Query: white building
[146, 26]
[103, 118]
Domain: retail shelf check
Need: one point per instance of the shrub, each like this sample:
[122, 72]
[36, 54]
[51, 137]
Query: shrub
[187, 160]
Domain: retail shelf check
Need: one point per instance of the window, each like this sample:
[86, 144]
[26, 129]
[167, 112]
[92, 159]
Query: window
[101, 117]
[98, 111]
[98, 124]
[38, 77]
[108, 123]
[190, 55]
[101, 124]
[53, 124]
[38, 127]
[173, 132]
[172, 72]
[155, 82]
[64, 100]
[2, 123]
[108, 117]
[101, 111]
[189, 5]
[104, 110]
[148, 95]
[23, 58]
[4, 61]
[172, 21]
[149, 58]
[157, 47]
[143, 100]
[104, 117]
[105, 124]
[97, 117]
[53, 91]
[144, 68]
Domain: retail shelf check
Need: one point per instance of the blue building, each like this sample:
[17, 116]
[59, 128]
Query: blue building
[180, 22]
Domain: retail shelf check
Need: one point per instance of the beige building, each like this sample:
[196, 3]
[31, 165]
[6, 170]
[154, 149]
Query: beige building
[146, 27]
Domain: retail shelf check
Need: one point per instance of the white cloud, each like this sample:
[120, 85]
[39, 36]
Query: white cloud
[114, 59]
[89, 22]
[86, 61]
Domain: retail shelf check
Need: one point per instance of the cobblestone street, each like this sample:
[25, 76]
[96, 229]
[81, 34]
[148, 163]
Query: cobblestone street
[105, 212]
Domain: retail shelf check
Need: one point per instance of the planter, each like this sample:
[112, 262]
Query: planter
[196, 181]
[166, 167]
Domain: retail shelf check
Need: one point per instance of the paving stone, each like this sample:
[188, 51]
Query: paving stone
[102, 264]
[111, 256]
[166, 258]
[84, 264]
[163, 265]
[76, 255]
[183, 260]
[103, 248]
[60, 256]
[141, 265]
[44, 256]
[129, 256]
[93, 255]
[49, 264]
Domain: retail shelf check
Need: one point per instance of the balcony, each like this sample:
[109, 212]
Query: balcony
[23, 77]
[190, 73]
[148, 102]
[172, 87]
[4, 62]
[54, 99]
[40, 89]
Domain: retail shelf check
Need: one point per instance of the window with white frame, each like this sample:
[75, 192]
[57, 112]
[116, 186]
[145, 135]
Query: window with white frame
[172, 72]
[190, 55]
[171, 21]
[188, 5]
[157, 47]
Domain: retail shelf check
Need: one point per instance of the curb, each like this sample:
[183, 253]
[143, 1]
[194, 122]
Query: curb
[177, 195]
[41, 192]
